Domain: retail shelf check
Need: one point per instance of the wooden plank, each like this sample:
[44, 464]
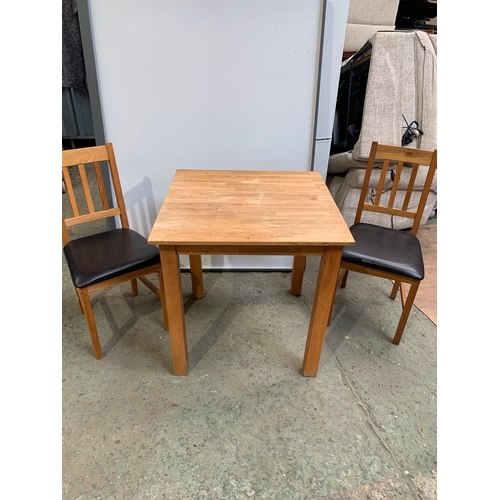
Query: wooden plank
[249, 208]
[71, 192]
[171, 277]
[249, 250]
[84, 155]
[323, 303]
[86, 188]
[124, 277]
[90, 217]
[100, 185]
[391, 211]
[409, 155]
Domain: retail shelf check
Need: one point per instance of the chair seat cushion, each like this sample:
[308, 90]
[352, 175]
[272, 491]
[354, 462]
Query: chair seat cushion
[385, 249]
[102, 256]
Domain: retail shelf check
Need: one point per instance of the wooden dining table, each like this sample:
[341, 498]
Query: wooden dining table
[249, 212]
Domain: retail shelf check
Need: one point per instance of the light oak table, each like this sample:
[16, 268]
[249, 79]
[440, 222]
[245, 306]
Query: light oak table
[226, 212]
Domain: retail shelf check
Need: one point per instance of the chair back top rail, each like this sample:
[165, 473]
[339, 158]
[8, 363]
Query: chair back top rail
[84, 155]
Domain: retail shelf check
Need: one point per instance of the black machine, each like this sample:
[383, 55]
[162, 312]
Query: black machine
[350, 100]
[416, 14]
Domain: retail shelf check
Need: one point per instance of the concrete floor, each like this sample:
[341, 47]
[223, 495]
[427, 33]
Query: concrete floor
[245, 423]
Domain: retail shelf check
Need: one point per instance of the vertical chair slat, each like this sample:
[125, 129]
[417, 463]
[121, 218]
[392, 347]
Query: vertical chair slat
[86, 189]
[366, 182]
[395, 184]
[65, 234]
[70, 191]
[100, 185]
[117, 186]
[411, 184]
[425, 193]
[381, 182]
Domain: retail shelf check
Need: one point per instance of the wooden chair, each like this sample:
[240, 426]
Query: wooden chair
[110, 257]
[383, 251]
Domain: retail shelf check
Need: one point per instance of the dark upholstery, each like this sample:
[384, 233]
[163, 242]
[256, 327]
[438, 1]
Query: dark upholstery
[126, 251]
[385, 249]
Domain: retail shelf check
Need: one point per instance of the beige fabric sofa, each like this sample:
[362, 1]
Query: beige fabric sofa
[365, 18]
[402, 81]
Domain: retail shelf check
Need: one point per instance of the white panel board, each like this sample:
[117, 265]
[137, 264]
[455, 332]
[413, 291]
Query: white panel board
[197, 84]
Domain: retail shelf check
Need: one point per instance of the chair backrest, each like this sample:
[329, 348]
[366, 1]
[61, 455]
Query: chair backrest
[393, 191]
[85, 164]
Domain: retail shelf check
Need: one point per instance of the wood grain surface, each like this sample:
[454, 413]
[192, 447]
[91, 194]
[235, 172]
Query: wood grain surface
[210, 207]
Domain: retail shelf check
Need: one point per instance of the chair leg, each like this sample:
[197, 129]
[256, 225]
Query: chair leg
[133, 286]
[79, 301]
[395, 289]
[163, 304]
[344, 279]
[341, 275]
[83, 295]
[406, 312]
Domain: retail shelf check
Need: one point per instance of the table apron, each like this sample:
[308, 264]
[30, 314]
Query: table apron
[249, 250]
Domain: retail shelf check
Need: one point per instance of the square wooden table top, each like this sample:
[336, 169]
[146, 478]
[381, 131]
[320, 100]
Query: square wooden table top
[249, 207]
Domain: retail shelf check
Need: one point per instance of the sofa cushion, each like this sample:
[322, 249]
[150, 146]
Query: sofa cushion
[373, 12]
[343, 162]
[366, 17]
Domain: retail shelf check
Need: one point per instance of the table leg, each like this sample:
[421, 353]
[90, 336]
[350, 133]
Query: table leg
[299, 266]
[171, 274]
[323, 298]
[196, 276]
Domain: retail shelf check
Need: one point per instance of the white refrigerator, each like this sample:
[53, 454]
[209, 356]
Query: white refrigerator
[227, 84]
[334, 26]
